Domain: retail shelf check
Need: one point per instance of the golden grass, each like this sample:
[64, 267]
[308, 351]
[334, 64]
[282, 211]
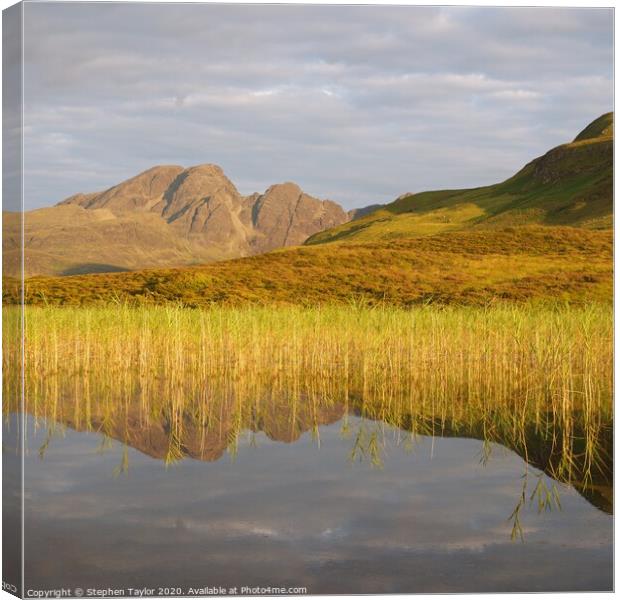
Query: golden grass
[536, 379]
[474, 267]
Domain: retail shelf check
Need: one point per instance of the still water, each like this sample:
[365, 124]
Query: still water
[354, 506]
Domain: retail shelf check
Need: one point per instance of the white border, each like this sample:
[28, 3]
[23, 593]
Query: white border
[548, 3]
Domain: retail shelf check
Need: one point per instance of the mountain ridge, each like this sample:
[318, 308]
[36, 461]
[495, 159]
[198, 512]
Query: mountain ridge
[167, 215]
[571, 184]
[189, 197]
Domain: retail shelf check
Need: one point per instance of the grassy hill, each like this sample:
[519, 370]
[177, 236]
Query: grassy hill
[603, 127]
[68, 240]
[468, 267]
[570, 185]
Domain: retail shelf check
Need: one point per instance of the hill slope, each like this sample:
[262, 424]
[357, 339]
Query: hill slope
[166, 216]
[69, 239]
[570, 185]
[469, 267]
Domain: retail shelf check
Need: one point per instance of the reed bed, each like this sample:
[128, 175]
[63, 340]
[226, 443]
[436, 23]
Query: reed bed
[537, 379]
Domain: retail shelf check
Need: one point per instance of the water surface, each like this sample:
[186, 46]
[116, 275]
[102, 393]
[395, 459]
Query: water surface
[353, 506]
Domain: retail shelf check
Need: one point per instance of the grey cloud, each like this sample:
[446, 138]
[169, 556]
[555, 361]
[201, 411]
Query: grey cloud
[355, 103]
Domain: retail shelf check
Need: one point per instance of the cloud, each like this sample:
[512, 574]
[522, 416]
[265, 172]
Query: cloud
[355, 103]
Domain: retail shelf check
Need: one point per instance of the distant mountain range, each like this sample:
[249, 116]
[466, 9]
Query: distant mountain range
[171, 216]
[166, 216]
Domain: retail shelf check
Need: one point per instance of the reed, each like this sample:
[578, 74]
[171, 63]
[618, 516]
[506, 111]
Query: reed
[536, 378]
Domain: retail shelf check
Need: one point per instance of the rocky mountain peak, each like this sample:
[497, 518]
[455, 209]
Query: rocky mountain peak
[205, 211]
[285, 188]
[195, 187]
[285, 213]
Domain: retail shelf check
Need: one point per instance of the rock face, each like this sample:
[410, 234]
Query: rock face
[140, 193]
[169, 216]
[284, 215]
[201, 203]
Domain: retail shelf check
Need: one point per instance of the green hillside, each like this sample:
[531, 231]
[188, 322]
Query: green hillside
[570, 185]
[468, 267]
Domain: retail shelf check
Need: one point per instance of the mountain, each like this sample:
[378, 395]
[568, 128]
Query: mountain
[165, 216]
[570, 185]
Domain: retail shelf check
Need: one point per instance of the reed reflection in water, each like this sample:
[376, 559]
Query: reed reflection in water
[175, 382]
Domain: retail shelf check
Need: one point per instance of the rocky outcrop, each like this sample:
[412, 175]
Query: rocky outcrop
[572, 159]
[284, 216]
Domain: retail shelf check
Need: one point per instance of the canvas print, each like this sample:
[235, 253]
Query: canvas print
[306, 299]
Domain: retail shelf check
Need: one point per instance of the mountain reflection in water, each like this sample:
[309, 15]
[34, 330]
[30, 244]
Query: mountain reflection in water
[206, 436]
[353, 505]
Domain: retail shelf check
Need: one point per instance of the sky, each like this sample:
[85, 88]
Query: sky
[358, 104]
